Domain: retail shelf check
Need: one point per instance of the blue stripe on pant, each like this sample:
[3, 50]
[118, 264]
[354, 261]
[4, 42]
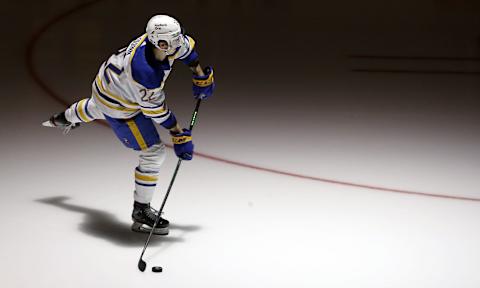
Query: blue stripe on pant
[137, 133]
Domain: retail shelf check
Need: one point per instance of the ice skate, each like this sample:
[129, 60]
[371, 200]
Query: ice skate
[144, 216]
[59, 121]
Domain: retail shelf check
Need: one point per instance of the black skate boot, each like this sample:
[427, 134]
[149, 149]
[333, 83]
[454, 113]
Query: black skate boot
[144, 216]
[59, 121]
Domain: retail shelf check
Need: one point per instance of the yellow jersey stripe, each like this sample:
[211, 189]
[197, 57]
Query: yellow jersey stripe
[111, 106]
[191, 44]
[158, 111]
[113, 96]
[134, 51]
[145, 177]
[136, 47]
[81, 110]
[136, 133]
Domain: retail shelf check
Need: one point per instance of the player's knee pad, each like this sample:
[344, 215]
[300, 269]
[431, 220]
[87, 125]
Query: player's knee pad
[151, 159]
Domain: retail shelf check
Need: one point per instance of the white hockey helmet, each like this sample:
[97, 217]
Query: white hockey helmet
[165, 28]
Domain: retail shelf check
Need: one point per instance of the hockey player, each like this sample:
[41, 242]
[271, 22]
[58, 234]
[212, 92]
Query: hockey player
[128, 93]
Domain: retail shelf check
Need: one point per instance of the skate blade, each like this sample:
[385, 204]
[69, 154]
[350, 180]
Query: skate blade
[142, 228]
[48, 124]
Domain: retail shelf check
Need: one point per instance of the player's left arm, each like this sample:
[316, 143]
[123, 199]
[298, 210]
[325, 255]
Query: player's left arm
[197, 69]
[203, 81]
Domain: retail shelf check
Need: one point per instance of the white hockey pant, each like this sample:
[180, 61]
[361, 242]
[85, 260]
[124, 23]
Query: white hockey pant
[146, 173]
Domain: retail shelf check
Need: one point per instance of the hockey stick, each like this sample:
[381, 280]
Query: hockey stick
[141, 263]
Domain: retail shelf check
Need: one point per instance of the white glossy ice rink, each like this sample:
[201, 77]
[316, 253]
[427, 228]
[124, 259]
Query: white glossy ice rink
[66, 200]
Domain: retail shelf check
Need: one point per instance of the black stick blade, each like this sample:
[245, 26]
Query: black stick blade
[142, 265]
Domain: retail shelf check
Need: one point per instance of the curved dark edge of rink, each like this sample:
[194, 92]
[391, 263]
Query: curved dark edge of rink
[30, 51]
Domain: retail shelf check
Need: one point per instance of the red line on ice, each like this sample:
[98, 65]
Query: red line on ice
[36, 77]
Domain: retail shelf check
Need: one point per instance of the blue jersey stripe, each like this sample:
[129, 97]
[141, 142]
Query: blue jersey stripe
[106, 97]
[153, 107]
[86, 109]
[147, 185]
[158, 116]
[76, 112]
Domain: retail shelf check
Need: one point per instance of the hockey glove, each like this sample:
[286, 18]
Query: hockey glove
[182, 144]
[203, 86]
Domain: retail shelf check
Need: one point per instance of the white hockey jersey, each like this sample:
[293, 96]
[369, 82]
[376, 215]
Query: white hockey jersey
[131, 81]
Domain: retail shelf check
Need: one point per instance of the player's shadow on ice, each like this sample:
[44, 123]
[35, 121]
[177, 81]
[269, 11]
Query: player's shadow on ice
[105, 225]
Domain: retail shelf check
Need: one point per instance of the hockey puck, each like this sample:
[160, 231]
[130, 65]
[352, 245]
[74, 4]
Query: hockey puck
[157, 269]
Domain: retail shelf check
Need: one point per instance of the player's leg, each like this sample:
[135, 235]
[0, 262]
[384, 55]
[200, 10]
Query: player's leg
[146, 176]
[139, 133]
[82, 111]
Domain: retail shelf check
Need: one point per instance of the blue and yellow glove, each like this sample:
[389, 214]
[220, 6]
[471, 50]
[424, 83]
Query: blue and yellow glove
[203, 86]
[182, 144]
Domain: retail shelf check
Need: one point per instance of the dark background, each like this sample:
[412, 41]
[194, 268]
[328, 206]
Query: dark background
[383, 94]
[344, 82]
